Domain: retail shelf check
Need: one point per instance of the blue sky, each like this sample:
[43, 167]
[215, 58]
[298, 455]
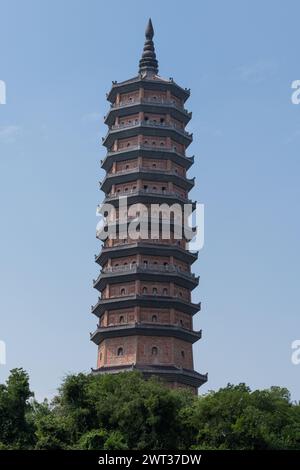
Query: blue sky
[239, 58]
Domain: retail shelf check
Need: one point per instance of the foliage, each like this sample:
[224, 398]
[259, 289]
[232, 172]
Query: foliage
[123, 411]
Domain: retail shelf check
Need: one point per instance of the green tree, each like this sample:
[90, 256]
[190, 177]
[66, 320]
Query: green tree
[16, 430]
[236, 418]
[144, 413]
[123, 411]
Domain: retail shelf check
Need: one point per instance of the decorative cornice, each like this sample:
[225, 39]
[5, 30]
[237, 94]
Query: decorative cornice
[115, 303]
[145, 329]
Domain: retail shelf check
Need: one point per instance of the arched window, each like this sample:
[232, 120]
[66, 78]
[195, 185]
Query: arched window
[154, 291]
[128, 144]
[145, 290]
[165, 291]
[154, 351]
[182, 353]
[120, 352]
[154, 318]
[181, 323]
[121, 319]
[123, 291]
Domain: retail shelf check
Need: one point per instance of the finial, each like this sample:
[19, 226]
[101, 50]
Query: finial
[149, 33]
[148, 61]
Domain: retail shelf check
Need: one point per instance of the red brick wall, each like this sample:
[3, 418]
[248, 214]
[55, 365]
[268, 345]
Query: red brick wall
[114, 317]
[149, 163]
[126, 120]
[155, 141]
[163, 315]
[183, 354]
[123, 143]
[131, 315]
[159, 95]
[142, 259]
[169, 351]
[133, 96]
[126, 165]
[110, 347]
[114, 290]
[163, 288]
[139, 349]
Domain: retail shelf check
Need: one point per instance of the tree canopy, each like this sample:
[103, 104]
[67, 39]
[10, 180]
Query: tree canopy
[124, 411]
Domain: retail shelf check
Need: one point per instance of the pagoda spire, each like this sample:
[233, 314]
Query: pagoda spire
[148, 61]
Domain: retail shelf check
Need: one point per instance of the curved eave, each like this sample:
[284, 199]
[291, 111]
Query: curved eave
[149, 107]
[133, 175]
[181, 279]
[147, 130]
[145, 301]
[148, 197]
[145, 249]
[179, 375]
[144, 329]
[147, 84]
[169, 373]
[140, 151]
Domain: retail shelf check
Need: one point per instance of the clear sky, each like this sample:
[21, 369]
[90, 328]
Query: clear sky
[239, 58]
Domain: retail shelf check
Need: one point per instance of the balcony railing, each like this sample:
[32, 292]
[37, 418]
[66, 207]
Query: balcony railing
[147, 324]
[150, 191]
[151, 123]
[147, 147]
[149, 267]
[120, 242]
[143, 294]
[144, 168]
[159, 101]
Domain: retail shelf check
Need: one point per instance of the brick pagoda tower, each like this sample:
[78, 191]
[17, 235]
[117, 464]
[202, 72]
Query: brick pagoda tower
[145, 309]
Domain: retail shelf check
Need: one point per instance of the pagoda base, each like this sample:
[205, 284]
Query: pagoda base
[173, 375]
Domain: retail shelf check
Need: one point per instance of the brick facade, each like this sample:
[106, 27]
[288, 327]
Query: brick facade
[145, 307]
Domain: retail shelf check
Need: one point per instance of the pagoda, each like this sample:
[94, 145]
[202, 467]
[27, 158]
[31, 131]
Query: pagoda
[145, 311]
